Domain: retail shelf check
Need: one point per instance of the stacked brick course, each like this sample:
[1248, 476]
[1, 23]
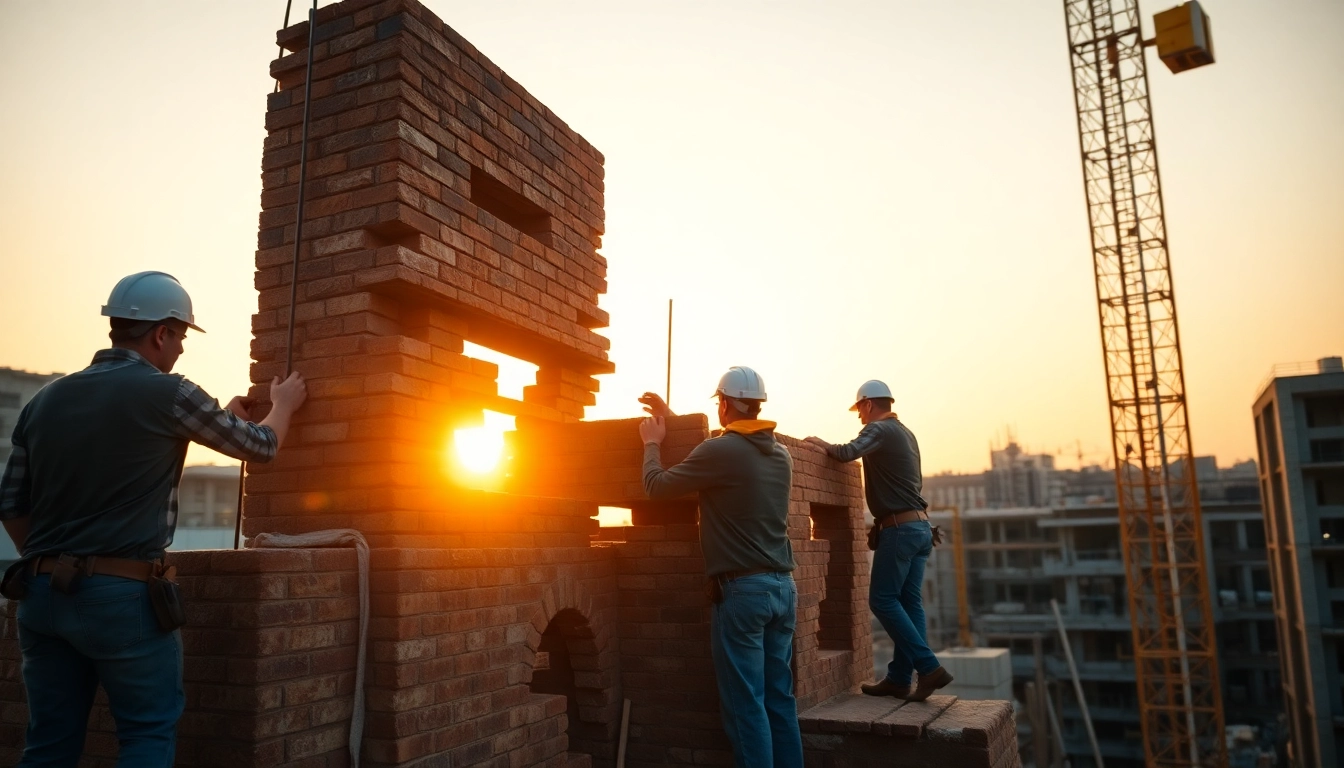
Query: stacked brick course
[447, 205]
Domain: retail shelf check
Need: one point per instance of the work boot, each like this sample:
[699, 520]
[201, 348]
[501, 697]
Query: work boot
[928, 684]
[885, 687]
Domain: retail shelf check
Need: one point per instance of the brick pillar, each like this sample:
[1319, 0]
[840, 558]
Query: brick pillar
[444, 204]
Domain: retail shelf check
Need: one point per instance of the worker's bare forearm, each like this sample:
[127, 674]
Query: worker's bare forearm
[278, 421]
[17, 528]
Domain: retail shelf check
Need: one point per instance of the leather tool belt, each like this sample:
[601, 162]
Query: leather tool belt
[900, 518]
[714, 587]
[894, 519]
[68, 570]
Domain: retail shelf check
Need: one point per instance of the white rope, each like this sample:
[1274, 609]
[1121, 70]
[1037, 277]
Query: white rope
[340, 537]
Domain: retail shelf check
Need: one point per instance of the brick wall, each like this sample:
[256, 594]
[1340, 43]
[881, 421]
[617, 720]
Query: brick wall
[269, 662]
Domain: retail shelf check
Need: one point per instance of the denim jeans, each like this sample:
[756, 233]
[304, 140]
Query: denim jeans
[103, 633]
[751, 638]
[894, 597]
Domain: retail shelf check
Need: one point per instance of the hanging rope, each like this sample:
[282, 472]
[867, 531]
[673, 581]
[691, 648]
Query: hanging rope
[342, 537]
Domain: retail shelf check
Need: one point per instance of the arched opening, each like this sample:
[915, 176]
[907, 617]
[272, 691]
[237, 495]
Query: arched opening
[567, 664]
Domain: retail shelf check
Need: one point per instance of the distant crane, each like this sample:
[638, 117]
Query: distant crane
[1175, 654]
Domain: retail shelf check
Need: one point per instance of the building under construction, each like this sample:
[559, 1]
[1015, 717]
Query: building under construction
[1018, 559]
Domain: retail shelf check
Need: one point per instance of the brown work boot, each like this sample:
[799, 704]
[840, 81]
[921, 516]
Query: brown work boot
[885, 687]
[928, 684]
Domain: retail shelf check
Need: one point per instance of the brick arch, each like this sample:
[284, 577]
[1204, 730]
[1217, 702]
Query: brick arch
[583, 667]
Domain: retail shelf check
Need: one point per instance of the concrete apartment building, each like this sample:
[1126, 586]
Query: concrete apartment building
[1020, 557]
[1299, 429]
[16, 389]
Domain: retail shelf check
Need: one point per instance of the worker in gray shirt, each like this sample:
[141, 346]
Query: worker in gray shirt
[743, 478]
[891, 485]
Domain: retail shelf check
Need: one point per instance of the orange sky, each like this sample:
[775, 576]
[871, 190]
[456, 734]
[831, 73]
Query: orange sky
[831, 191]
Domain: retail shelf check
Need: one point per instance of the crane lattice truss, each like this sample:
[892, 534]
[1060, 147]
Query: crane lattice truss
[1174, 648]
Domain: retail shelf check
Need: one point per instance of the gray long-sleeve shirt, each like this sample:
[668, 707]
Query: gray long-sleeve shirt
[743, 479]
[892, 480]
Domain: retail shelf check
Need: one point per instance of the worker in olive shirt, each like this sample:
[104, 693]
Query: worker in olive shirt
[891, 484]
[743, 478]
[89, 497]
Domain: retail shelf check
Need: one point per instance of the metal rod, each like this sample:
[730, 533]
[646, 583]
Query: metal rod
[298, 238]
[1054, 726]
[303, 171]
[238, 513]
[963, 596]
[625, 733]
[668, 392]
[1041, 741]
[1077, 684]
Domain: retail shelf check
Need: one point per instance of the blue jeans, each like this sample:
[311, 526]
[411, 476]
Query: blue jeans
[894, 597]
[104, 633]
[751, 638]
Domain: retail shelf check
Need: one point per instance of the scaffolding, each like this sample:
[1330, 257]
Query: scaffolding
[1175, 652]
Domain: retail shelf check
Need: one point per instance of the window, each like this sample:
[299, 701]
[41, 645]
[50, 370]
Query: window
[1330, 489]
[1268, 637]
[1223, 534]
[1255, 534]
[1327, 450]
[1325, 411]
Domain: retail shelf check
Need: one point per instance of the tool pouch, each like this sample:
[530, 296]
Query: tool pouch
[714, 590]
[12, 586]
[874, 533]
[166, 598]
[67, 574]
[937, 534]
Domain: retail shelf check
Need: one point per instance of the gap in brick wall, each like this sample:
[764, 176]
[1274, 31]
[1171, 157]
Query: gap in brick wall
[510, 207]
[831, 522]
[514, 374]
[611, 517]
[476, 452]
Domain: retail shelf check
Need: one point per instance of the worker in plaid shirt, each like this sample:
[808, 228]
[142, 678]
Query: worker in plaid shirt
[93, 477]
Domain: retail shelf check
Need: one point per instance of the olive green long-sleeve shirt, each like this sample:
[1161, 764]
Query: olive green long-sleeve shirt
[743, 478]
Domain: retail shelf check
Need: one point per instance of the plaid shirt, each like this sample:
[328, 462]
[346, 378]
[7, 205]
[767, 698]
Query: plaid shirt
[200, 419]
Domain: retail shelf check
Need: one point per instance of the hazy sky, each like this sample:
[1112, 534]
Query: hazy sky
[831, 191]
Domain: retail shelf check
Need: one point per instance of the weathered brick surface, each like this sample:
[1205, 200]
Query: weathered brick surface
[857, 730]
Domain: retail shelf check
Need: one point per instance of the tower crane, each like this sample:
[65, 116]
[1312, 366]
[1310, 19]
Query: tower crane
[1175, 652]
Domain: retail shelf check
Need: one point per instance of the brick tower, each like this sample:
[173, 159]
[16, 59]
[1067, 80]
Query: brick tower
[444, 204]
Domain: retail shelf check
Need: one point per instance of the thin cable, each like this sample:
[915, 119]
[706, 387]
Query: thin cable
[298, 233]
[303, 175]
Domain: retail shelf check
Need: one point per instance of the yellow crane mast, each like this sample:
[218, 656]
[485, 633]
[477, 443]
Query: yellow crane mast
[1175, 652]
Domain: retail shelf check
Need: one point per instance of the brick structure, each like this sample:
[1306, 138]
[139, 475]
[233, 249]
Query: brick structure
[445, 205]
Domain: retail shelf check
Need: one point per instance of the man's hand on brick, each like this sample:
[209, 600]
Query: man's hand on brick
[653, 429]
[654, 405]
[817, 442]
[242, 407]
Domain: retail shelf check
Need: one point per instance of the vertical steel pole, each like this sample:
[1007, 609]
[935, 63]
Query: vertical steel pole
[668, 390]
[298, 238]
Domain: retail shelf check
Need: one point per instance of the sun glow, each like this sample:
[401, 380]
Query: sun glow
[477, 450]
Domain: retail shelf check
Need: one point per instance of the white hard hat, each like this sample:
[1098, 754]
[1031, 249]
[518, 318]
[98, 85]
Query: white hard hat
[741, 383]
[869, 390]
[150, 296]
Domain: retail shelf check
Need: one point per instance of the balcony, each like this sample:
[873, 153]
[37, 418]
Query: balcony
[1085, 562]
[1009, 573]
